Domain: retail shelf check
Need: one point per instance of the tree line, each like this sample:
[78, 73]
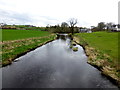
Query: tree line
[71, 28]
[102, 26]
[64, 27]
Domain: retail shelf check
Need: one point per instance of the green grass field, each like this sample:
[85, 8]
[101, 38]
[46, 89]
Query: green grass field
[9, 34]
[102, 49]
[18, 42]
[105, 42]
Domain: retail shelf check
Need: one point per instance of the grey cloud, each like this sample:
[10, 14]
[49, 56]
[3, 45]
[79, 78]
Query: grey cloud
[14, 17]
[10, 17]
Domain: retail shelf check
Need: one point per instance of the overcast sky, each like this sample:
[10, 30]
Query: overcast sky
[52, 12]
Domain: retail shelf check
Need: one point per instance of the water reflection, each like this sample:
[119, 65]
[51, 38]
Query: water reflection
[68, 38]
[63, 36]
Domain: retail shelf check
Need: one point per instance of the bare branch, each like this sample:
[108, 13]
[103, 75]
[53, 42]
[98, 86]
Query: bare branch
[72, 22]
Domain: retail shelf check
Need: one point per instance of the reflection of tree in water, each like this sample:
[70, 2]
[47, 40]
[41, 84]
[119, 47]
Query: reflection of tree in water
[62, 36]
[72, 44]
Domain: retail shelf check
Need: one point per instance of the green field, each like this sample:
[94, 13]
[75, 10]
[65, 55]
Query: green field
[103, 41]
[102, 49]
[9, 34]
[19, 42]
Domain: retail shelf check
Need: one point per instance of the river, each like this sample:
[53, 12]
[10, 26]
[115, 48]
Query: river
[54, 65]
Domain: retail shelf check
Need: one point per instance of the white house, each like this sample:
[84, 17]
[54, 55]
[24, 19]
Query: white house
[114, 27]
[83, 30]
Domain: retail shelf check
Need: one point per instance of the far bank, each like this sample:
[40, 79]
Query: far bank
[102, 51]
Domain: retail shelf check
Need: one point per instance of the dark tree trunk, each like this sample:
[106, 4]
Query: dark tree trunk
[72, 29]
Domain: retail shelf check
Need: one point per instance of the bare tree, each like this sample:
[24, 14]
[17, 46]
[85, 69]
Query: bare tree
[72, 22]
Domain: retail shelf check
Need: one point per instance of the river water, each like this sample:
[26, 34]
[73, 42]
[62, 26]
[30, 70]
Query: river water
[54, 65]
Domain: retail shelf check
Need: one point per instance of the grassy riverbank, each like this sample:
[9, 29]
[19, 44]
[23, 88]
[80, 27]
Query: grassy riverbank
[16, 43]
[102, 50]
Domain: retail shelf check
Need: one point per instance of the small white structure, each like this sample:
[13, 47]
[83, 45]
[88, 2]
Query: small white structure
[85, 30]
[89, 31]
[114, 27]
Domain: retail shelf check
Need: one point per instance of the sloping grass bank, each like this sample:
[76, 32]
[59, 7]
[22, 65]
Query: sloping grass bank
[18, 42]
[16, 48]
[102, 51]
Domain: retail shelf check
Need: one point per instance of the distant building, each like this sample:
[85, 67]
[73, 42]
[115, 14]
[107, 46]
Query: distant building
[118, 27]
[115, 27]
[85, 30]
[89, 31]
